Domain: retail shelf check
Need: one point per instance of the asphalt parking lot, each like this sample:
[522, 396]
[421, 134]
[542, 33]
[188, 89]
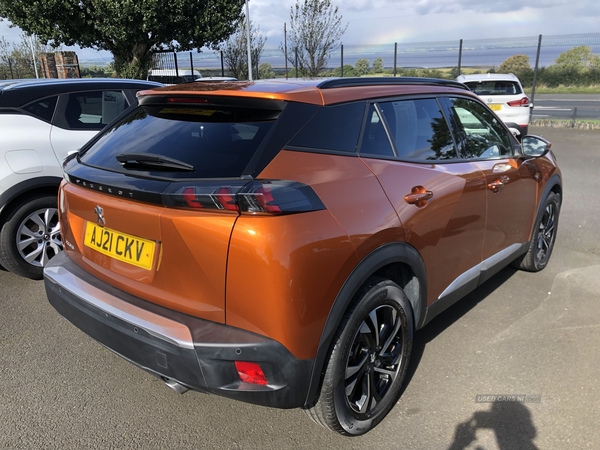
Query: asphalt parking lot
[535, 336]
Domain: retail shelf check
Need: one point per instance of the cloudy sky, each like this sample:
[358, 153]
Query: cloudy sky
[404, 21]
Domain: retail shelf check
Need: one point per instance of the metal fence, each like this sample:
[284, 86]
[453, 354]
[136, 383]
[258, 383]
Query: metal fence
[484, 53]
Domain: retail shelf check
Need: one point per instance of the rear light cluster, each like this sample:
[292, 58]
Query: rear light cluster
[254, 197]
[521, 102]
[251, 373]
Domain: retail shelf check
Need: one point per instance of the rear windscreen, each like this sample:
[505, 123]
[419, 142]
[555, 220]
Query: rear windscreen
[494, 87]
[216, 141]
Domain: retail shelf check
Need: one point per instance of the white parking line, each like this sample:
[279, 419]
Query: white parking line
[568, 100]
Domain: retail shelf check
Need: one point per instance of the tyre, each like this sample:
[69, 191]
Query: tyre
[31, 236]
[543, 237]
[368, 360]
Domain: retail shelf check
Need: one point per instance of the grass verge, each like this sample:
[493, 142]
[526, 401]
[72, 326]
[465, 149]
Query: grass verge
[595, 89]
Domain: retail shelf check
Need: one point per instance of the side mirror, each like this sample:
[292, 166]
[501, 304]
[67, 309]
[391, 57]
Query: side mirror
[534, 146]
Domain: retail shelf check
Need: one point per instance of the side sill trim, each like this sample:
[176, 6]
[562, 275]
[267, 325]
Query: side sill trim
[475, 272]
[162, 328]
[471, 279]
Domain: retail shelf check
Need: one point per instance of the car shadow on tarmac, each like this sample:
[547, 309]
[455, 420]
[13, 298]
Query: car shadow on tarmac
[509, 421]
[450, 316]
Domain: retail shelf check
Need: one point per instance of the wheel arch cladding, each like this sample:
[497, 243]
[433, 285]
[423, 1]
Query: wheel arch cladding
[398, 262]
[24, 189]
[554, 184]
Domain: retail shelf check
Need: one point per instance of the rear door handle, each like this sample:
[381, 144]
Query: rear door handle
[496, 186]
[418, 196]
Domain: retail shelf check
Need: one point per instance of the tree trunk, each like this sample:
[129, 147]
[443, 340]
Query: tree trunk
[133, 62]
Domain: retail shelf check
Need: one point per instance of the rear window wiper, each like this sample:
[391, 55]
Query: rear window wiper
[152, 161]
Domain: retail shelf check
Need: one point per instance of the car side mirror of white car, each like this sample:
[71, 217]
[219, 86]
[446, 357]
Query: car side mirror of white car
[535, 146]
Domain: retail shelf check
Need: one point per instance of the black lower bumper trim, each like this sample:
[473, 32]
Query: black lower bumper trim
[196, 353]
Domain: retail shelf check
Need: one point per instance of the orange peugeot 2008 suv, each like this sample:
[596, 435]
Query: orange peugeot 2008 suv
[279, 242]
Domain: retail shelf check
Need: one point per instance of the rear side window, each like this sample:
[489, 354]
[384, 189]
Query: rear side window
[494, 87]
[332, 128]
[42, 109]
[375, 140]
[419, 130]
[94, 110]
[216, 141]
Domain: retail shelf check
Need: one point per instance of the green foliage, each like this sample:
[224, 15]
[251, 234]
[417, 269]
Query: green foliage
[575, 67]
[128, 29]
[378, 65]
[520, 66]
[454, 72]
[16, 60]
[349, 71]
[235, 50]
[578, 58]
[426, 73]
[361, 67]
[515, 64]
[265, 71]
[97, 71]
[315, 30]
[555, 76]
[292, 73]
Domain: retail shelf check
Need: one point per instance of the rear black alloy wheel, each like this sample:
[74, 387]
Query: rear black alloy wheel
[368, 362]
[31, 237]
[543, 238]
[374, 360]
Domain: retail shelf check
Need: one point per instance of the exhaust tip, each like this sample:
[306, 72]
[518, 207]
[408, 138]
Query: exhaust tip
[179, 388]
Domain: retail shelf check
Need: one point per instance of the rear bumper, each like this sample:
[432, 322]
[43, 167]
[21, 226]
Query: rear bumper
[196, 353]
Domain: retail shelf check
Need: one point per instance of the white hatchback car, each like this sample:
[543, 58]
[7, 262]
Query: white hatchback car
[504, 95]
[41, 122]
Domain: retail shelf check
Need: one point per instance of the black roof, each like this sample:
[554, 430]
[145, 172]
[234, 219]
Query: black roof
[15, 93]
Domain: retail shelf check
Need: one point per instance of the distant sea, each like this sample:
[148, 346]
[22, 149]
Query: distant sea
[429, 55]
[475, 53]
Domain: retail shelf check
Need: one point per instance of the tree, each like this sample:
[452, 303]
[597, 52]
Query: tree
[6, 59]
[128, 29]
[361, 66]
[235, 50]
[16, 60]
[578, 59]
[518, 65]
[454, 72]
[265, 71]
[348, 71]
[378, 65]
[97, 71]
[515, 64]
[315, 30]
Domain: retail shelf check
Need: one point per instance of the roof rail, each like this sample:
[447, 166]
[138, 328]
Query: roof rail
[381, 81]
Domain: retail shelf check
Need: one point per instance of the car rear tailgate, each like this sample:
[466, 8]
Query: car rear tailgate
[149, 251]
